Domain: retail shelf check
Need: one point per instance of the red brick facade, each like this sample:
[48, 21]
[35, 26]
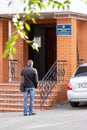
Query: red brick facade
[69, 48]
[66, 46]
[3, 62]
[72, 48]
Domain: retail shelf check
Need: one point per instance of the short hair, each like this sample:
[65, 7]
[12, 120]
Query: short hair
[30, 63]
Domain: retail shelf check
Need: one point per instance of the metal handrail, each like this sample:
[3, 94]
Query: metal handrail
[55, 75]
[13, 70]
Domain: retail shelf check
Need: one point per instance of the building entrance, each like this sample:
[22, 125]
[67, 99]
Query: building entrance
[46, 56]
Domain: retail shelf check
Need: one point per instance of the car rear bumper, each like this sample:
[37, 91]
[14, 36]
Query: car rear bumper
[76, 96]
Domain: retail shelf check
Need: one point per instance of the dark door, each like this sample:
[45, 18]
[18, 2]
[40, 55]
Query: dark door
[50, 44]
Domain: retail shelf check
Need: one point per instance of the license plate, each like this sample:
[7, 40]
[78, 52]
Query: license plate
[82, 85]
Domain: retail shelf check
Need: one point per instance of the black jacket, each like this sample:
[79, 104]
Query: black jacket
[30, 76]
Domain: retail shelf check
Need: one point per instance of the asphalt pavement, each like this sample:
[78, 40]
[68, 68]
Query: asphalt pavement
[60, 117]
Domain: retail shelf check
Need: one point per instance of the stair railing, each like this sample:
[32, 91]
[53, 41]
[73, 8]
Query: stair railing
[13, 76]
[55, 75]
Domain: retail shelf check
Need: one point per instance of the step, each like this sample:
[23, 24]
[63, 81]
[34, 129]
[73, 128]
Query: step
[16, 96]
[16, 107]
[11, 99]
[15, 110]
[14, 91]
[15, 101]
[5, 108]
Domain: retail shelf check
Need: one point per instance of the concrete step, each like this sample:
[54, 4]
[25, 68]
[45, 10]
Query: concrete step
[11, 99]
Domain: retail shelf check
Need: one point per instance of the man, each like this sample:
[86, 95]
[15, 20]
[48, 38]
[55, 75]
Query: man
[30, 76]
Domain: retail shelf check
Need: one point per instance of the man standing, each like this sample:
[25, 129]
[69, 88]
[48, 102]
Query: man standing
[30, 77]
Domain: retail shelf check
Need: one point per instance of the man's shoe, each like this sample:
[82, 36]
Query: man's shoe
[31, 114]
[25, 114]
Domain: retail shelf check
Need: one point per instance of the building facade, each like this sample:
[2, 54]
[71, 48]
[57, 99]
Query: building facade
[60, 36]
[62, 42]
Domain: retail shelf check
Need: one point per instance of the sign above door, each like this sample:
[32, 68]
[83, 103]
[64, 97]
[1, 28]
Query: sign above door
[63, 30]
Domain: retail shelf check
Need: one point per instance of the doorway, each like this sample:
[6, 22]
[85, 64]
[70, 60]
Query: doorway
[46, 56]
[50, 45]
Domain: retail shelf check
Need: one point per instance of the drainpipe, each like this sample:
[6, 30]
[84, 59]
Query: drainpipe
[9, 35]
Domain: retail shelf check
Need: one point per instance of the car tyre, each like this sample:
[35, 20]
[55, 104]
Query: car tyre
[74, 104]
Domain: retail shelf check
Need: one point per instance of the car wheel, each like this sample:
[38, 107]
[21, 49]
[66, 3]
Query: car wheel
[74, 104]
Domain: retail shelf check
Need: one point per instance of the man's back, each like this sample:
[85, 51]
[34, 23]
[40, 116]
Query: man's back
[30, 76]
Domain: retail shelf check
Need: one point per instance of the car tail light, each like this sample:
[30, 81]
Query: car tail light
[69, 86]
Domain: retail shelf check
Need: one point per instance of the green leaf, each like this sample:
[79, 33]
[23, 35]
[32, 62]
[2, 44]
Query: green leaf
[27, 16]
[23, 32]
[38, 14]
[13, 43]
[14, 50]
[33, 20]
[15, 37]
[10, 55]
[6, 52]
[9, 3]
[30, 41]
[24, 9]
[27, 26]
[48, 3]
[85, 1]
[53, 5]
[29, 9]
[67, 2]
[35, 48]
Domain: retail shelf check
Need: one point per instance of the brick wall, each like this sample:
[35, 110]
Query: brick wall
[69, 48]
[21, 56]
[3, 62]
[66, 46]
[82, 39]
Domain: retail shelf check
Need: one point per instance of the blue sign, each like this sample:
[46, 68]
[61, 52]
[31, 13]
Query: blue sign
[63, 29]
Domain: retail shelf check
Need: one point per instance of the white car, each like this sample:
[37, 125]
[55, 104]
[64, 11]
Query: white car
[77, 86]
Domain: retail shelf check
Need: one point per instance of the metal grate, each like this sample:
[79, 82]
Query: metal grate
[13, 70]
[55, 75]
